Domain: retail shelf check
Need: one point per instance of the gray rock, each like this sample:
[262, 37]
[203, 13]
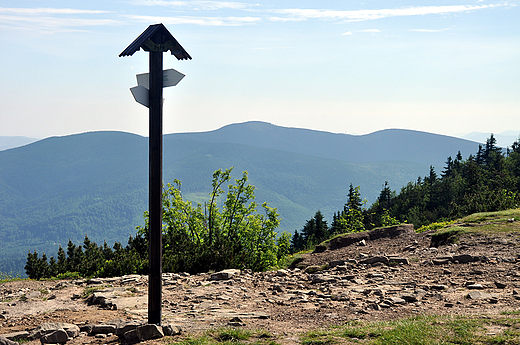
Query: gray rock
[224, 275]
[500, 285]
[46, 328]
[475, 287]
[279, 288]
[123, 327]
[313, 269]
[335, 263]
[281, 273]
[374, 259]
[397, 260]
[170, 330]
[395, 300]
[318, 279]
[103, 329]
[441, 261]
[87, 328]
[5, 341]
[147, 332]
[465, 258]
[479, 295]
[131, 336]
[409, 298]
[59, 336]
[16, 336]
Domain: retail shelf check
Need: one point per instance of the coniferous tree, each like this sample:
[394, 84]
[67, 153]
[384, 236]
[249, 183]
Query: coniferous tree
[62, 261]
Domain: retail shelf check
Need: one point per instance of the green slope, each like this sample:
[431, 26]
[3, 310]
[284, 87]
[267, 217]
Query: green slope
[97, 184]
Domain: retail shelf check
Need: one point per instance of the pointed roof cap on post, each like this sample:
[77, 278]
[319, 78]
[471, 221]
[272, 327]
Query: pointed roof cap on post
[157, 38]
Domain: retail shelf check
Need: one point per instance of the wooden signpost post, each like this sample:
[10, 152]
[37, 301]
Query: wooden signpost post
[156, 40]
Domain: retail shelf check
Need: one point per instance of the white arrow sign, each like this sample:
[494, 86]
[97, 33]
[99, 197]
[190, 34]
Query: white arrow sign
[171, 77]
[140, 94]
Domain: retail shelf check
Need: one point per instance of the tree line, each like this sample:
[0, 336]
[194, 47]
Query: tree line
[487, 181]
[225, 232]
[229, 232]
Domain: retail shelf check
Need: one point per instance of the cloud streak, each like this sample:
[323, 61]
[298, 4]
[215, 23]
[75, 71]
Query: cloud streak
[40, 11]
[204, 21]
[194, 5]
[364, 15]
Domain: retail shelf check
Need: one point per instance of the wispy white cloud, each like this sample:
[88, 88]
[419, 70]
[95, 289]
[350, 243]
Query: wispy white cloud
[52, 20]
[45, 22]
[285, 19]
[205, 21]
[370, 30]
[429, 30]
[363, 15]
[39, 11]
[194, 5]
[348, 33]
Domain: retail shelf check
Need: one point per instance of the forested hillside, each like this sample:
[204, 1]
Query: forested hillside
[95, 183]
[486, 181]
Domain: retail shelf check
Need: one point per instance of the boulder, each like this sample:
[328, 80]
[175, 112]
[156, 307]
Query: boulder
[123, 327]
[49, 327]
[224, 275]
[170, 330]
[103, 329]
[465, 258]
[148, 332]
[59, 336]
[5, 341]
[17, 336]
[374, 259]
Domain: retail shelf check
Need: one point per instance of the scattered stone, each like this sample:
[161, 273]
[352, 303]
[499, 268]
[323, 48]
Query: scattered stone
[236, 322]
[374, 259]
[17, 336]
[171, 330]
[281, 273]
[444, 261]
[59, 336]
[500, 285]
[475, 287]
[479, 295]
[5, 341]
[103, 329]
[124, 326]
[224, 275]
[335, 263]
[409, 298]
[313, 269]
[398, 260]
[47, 328]
[465, 258]
[148, 332]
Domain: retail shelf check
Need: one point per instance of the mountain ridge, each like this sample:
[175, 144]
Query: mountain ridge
[96, 183]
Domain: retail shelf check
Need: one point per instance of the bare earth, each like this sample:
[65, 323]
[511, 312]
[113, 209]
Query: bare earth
[403, 276]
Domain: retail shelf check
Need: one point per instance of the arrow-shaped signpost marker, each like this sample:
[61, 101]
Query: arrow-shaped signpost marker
[171, 77]
[156, 39]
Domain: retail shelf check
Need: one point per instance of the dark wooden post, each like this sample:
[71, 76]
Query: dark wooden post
[155, 188]
[156, 39]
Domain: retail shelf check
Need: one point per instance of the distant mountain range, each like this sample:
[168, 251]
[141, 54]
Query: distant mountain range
[504, 139]
[12, 142]
[97, 183]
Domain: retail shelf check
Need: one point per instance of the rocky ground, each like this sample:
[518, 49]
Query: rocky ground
[377, 275]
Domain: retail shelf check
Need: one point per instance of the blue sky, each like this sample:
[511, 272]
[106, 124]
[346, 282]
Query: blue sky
[354, 67]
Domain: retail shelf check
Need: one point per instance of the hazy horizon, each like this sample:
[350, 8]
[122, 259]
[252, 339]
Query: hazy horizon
[445, 68]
